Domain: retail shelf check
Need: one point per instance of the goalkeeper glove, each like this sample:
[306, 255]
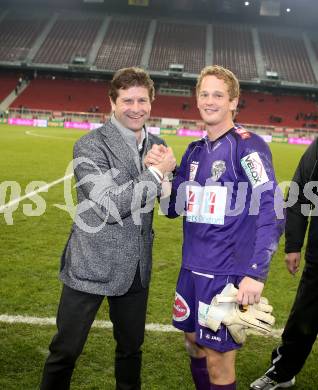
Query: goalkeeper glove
[238, 318]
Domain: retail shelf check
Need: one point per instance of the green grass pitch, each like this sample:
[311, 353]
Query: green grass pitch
[30, 248]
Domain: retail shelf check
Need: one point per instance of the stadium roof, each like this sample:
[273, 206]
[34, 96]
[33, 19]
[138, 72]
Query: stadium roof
[283, 12]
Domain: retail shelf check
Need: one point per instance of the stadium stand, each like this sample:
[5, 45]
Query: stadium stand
[177, 43]
[64, 95]
[40, 39]
[287, 56]
[123, 44]
[175, 107]
[68, 95]
[233, 48]
[7, 85]
[18, 32]
[116, 41]
[69, 37]
[257, 108]
[277, 110]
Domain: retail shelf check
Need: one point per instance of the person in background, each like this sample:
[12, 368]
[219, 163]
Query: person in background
[109, 250]
[301, 328]
[226, 239]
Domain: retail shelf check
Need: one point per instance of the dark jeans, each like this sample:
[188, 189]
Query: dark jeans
[301, 329]
[76, 313]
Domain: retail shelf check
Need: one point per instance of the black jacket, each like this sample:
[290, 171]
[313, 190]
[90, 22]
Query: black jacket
[306, 177]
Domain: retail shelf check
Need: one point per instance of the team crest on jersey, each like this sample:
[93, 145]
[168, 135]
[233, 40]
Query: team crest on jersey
[181, 310]
[217, 169]
[243, 133]
[254, 169]
[193, 170]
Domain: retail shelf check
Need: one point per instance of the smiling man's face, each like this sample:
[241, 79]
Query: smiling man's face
[214, 104]
[132, 107]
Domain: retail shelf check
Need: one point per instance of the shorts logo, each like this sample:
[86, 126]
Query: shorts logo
[193, 170]
[208, 336]
[217, 169]
[254, 169]
[181, 310]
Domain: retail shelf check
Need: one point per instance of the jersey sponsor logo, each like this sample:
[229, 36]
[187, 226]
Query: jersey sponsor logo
[193, 170]
[206, 204]
[217, 169]
[243, 133]
[209, 202]
[191, 200]
[254, 169]
[181, 310]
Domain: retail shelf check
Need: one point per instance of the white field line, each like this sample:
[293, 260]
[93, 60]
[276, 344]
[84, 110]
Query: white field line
[48, 136]
[32, 193]
[45, 321]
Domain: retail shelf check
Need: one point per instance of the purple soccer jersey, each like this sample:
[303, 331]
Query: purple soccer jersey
[225, 191]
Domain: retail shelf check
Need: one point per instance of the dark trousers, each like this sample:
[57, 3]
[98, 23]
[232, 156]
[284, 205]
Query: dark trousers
[301, 329]
[76, 313]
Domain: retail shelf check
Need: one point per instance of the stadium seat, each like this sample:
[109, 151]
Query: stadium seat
[177, 43]
[287, 56]
[7, 85]
[64, 95]
[233, 48]
[123, 44]
[18, 32]
[68, 38]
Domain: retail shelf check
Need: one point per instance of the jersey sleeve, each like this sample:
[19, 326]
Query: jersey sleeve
[257, 166]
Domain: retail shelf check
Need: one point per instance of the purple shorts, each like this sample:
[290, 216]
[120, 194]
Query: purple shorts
[194, 293]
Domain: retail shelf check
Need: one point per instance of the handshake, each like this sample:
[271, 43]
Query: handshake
[162, 158]
[237, 318]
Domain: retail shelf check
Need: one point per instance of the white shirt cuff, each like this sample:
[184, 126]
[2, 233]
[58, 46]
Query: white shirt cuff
[157, 174]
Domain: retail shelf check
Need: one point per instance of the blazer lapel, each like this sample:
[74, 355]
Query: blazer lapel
[119, 148]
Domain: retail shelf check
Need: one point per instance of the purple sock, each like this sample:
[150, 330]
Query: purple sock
[200, 373]
[231, 386]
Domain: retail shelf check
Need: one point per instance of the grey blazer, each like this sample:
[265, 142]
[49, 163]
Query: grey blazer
[108, 183]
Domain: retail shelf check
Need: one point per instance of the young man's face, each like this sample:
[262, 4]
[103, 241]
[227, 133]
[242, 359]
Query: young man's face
[132, 107]
[213, 101]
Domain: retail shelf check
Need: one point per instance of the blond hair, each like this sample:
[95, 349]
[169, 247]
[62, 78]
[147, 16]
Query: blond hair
[223, 74]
